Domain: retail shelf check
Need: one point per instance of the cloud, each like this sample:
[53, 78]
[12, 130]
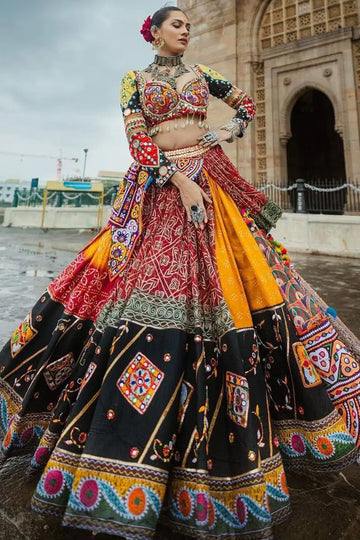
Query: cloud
[61, 67]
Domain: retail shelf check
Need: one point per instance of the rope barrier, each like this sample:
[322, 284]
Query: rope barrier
[325, 190]
[23, 198]
[70, 197]
[330, 190]
[111, 190]
[48, 198]
[32, 197]
[277, 188]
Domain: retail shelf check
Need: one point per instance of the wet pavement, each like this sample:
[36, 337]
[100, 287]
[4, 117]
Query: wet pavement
[324, 506]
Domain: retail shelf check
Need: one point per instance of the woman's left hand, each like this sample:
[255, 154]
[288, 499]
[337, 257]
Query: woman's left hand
[221, 136]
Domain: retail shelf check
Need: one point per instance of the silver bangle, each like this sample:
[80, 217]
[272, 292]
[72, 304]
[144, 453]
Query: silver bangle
[210, 137]
[236, 127]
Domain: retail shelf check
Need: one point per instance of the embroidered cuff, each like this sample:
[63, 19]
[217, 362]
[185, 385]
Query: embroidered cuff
[164, 173]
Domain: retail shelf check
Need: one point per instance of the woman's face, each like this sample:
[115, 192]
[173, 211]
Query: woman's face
[175, 31]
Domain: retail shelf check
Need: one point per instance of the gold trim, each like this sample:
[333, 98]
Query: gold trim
[96, 395]
[269, 423]
[201, 358]
[186, 455]
[24, 362]
[160, 421]
[269, 308]
[216, 412]
[82, 465]
[288, 361]
[123, 351]
[83, 410]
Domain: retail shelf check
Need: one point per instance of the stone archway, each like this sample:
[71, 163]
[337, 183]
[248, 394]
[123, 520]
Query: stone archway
[315, 151]
[279, 27]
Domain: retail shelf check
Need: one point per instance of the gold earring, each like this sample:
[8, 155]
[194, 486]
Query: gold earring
[158, 43]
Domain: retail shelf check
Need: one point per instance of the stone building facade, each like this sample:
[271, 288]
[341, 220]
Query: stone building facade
[300, 60]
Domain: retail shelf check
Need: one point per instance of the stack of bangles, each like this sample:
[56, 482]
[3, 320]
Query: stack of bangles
[235, 127]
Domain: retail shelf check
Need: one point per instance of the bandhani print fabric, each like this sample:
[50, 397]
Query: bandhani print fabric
[169, 376]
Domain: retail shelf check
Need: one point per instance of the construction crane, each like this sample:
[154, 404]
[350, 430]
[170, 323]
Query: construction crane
[59, 160]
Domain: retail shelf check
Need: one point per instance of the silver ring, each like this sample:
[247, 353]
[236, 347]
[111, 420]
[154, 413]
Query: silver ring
[196, 213]
[210, 136]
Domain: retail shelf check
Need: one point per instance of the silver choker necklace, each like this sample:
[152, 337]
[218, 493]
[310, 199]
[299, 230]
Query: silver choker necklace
[167, 75]
[168, 61]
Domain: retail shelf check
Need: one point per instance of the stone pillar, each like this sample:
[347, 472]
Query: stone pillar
[220, 39]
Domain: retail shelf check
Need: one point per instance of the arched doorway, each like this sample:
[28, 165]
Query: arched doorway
[315, 151]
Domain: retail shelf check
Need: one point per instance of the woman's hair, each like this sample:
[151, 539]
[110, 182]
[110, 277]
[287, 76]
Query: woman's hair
[162, 14]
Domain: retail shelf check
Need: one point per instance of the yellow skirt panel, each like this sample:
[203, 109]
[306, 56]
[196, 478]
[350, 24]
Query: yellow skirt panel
[246, 279]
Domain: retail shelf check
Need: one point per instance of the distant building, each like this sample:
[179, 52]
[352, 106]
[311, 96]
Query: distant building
[7, 189]
[110, 178]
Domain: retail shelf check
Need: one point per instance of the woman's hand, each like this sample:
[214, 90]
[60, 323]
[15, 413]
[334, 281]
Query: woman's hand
[222, 135]
[191, 194]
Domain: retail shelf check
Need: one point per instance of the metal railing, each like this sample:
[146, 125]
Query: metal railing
[27, 197]
[315, 196]
[325, 197]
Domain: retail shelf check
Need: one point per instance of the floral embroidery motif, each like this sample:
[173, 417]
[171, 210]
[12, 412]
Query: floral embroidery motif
[191, 167]
[133, 497]
[159, 98]
[22, 336]
[326, 441]
[309, 375]
[124, 220]
[142, 149]
[57, 372]
[151, 310]
[159, 101]
[140, 382]
[232, 96]
[162, 451]
[237, 391]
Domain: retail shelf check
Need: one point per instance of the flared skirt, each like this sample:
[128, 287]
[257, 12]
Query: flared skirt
[175, 392]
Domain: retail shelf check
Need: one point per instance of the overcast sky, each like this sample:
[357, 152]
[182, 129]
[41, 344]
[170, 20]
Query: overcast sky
[61, 64]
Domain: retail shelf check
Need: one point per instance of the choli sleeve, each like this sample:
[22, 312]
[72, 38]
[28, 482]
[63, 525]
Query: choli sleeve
[221, 88]
[142, 149]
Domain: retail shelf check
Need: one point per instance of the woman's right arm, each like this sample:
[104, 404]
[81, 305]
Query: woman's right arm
[142, 149]
[191, 194]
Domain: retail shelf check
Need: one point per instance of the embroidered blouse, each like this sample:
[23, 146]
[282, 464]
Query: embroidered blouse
[146, 104]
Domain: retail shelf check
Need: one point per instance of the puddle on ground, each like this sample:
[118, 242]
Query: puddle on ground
[35, 272]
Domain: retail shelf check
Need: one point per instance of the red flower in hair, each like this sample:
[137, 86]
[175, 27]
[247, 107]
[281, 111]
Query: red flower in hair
[145, 30]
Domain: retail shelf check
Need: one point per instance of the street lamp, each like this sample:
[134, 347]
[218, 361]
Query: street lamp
[85, 151]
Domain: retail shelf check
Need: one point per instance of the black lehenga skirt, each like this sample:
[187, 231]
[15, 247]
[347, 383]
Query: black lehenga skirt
[176, 391]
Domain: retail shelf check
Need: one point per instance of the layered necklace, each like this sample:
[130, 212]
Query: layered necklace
[161, 69]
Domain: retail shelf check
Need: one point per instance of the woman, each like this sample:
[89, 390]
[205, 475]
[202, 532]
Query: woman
[171, 370]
